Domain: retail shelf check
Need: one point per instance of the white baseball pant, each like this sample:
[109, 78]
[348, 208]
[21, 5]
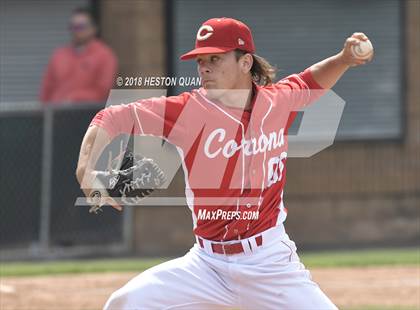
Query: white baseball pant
[269, 276]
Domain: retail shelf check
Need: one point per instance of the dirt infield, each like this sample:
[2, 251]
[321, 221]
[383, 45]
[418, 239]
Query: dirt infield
[347, 287]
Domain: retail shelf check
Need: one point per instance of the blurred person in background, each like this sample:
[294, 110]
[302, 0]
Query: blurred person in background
[82, 71]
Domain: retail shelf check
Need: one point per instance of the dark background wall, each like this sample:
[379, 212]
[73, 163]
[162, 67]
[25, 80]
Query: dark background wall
[367, 192]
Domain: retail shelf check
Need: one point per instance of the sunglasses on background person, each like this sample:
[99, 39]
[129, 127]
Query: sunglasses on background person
[79, 27]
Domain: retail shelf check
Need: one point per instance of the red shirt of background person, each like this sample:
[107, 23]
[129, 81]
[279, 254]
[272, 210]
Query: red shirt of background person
[82, 72]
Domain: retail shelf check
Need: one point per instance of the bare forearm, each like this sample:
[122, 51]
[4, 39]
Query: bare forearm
[93, 144]
[328, 71]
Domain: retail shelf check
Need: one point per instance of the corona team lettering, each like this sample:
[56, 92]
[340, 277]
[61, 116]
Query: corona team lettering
[250, 147]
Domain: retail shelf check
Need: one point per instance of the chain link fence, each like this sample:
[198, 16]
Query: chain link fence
[39, 150]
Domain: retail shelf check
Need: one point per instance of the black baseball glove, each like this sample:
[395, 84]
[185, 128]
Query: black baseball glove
[137, 177]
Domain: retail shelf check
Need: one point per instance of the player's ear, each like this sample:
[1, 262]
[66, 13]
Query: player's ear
[246, 62]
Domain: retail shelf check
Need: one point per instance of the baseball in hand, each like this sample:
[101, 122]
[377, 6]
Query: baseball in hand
[363, 50]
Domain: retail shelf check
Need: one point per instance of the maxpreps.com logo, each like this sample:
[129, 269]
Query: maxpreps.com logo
[204, 32]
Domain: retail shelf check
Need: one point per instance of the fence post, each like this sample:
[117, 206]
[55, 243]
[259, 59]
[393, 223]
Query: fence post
[47, 158]
[128, 229]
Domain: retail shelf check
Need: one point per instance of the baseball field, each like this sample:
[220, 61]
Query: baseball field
[381, 279]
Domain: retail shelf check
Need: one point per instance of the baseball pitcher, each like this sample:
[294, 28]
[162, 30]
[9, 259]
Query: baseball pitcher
[232, 137]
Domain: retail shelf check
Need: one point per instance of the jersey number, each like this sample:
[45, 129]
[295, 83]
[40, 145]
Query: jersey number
[275, 168]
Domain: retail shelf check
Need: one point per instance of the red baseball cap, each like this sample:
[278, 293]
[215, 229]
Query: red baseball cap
[221, 35]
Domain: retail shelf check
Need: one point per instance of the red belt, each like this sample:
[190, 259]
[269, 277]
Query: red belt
[230, 248]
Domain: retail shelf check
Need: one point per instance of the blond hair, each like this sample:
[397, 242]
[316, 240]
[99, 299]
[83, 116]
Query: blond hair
[263, 73]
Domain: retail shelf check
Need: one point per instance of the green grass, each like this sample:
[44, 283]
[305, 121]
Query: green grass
[76, 266]
[360, 258]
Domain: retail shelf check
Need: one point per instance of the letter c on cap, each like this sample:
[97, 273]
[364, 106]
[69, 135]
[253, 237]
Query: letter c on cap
[207, 35]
